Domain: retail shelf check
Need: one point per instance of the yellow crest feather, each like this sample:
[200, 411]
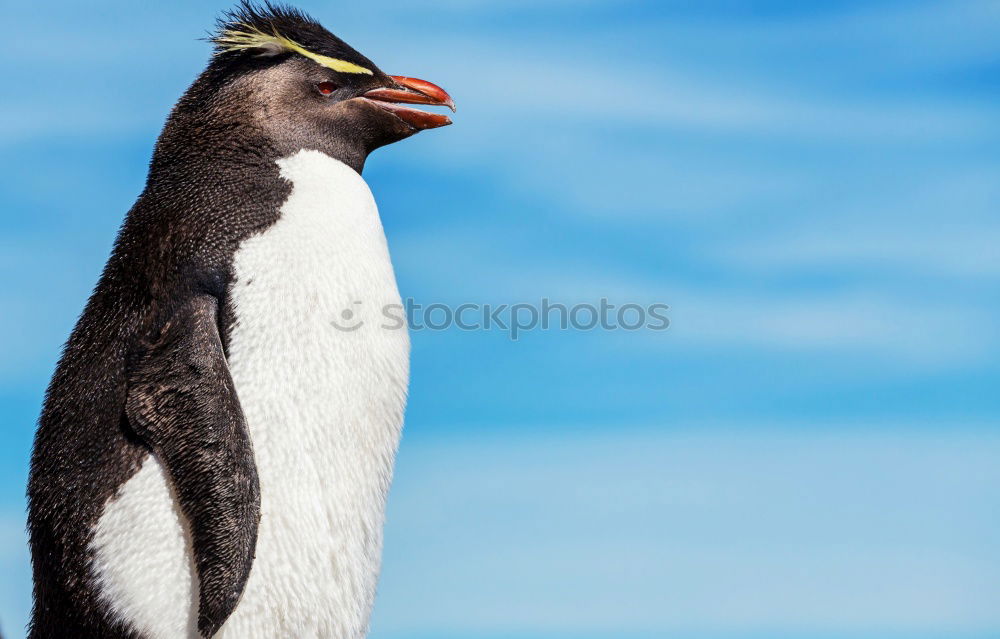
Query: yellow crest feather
[254, 38]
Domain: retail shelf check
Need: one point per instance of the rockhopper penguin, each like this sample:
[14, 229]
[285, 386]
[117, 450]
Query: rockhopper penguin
[214, 452]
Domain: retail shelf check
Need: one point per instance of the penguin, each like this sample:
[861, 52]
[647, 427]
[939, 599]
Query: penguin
[216, 444]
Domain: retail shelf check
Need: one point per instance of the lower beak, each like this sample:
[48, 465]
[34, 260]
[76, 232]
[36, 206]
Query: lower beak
[413, 91]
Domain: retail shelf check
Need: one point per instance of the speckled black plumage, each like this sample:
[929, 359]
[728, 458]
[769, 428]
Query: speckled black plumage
[182, 403]
[144, 369]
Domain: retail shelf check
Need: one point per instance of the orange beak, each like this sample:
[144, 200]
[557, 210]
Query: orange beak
[413, 91]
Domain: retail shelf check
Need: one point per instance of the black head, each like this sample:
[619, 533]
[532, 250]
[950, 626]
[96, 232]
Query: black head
[282, 78]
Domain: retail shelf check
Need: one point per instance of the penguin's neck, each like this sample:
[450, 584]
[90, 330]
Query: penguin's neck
[232, 142]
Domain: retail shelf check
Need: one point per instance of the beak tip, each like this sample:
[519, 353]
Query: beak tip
[429, 90]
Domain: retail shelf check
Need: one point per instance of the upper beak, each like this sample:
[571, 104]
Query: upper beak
[413, 91]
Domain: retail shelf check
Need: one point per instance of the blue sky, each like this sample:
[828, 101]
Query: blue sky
[809, 451]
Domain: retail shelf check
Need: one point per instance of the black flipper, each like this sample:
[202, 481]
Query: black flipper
[182, 403]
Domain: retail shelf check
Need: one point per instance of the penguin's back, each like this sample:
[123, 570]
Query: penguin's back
[320, 364]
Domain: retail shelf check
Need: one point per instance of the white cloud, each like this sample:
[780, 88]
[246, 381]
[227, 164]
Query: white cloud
[911, 335]
[942, 226]
[943, 252]
[701, 529]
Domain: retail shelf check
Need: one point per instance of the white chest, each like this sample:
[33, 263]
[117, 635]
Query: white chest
[323, 394]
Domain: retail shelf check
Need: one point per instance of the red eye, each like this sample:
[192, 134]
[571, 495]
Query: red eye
[326, 88]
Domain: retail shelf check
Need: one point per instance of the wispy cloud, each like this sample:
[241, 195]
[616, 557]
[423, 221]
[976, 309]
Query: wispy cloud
[704, 528]
[942, 227]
